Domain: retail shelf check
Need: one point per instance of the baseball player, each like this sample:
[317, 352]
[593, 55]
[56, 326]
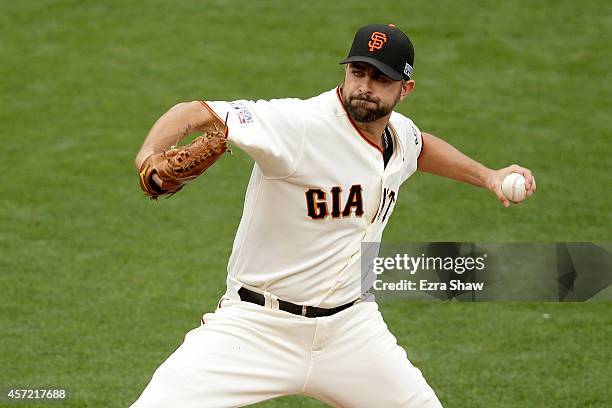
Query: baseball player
[295, 318]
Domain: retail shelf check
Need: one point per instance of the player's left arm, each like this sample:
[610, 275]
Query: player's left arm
[442, 159]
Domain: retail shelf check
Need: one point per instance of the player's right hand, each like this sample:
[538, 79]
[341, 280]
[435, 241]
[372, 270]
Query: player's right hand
[496, 178]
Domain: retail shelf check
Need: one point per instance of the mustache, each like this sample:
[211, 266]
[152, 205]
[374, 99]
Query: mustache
[364, 98]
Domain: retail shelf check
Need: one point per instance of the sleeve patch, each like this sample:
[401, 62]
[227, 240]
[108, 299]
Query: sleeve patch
[244, 114]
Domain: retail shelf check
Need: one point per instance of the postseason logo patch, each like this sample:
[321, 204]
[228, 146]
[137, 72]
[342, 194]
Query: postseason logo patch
[245, 117]
[408, 70]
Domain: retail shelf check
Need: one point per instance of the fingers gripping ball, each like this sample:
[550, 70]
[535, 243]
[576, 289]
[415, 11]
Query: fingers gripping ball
[513, 187]
[179, 165]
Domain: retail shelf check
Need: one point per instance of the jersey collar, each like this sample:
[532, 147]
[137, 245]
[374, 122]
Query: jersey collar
[363, 136]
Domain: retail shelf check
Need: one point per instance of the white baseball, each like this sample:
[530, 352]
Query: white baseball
[513, 187]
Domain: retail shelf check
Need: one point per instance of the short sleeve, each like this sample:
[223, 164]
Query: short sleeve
[418, 139]
[271, 132]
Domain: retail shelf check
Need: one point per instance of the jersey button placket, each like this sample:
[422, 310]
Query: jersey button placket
[381, 174]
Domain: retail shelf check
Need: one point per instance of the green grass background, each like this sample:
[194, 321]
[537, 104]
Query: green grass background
[98, 284]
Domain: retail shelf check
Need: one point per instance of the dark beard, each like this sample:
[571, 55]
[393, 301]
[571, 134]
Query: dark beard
[364, 112]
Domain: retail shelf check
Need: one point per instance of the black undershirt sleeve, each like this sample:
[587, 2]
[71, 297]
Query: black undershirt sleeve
[388, 143]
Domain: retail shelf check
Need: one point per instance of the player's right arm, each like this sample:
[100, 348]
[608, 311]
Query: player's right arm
[174, 125]
[442, 159]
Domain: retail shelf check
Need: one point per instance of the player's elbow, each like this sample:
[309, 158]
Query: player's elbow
[191, 107]
[197, 113]
[180, 106]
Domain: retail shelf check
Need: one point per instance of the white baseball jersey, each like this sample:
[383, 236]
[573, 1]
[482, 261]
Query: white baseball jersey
[318, 189]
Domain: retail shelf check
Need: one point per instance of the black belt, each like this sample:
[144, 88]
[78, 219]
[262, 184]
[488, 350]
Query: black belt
[308, 311]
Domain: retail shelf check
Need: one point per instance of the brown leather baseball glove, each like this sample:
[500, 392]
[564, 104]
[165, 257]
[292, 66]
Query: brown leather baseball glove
[179, 165]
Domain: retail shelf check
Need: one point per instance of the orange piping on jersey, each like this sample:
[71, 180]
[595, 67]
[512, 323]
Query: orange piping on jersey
[422, 147]
[204, 104]
[364, 137]
[207, 106]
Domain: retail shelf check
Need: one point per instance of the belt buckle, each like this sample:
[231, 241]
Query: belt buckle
[304, 310]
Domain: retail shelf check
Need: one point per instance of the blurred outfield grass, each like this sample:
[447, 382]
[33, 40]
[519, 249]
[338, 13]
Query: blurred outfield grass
[98, 285]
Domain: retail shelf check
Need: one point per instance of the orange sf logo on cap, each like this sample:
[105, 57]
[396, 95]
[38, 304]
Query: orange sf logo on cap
[377, 40]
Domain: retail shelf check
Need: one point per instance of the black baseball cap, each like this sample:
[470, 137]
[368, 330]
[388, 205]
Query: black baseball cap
[385, 47]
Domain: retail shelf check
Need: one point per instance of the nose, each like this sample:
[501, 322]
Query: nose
[365, 85]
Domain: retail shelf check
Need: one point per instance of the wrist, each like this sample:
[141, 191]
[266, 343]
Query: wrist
[487, 178]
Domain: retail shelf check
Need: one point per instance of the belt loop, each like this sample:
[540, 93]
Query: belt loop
[270, 300]
[274, 301]
[267, 300]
